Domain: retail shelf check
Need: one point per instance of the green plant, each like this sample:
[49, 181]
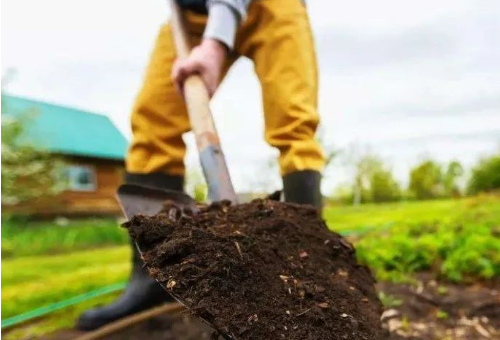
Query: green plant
[28, 171]
[389, 300]
[441, 314]
[442, 290]
[383, 187]
[196, 186]
[373, 182]
[485, 175]
[426, 180]
[430, 179]
[453, 172]
[463, 248]
[405, 324]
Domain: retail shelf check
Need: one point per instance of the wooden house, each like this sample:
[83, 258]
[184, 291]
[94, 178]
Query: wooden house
[93, 151]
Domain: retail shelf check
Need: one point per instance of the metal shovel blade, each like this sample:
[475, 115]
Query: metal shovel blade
[137, 199]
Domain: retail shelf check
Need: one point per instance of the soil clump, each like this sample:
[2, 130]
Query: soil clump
[261, 270]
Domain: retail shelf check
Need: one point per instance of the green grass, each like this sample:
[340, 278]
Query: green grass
[47, 262]
[32, 282]
[61, 319]
[27, 238]
[369, 216]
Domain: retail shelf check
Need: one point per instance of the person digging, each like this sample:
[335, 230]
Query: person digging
[276, 36]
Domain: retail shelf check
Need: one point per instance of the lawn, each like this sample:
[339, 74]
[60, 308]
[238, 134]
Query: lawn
[58, 236]
[369, 216]
[458, 239]
[34, 281]
[30, 282]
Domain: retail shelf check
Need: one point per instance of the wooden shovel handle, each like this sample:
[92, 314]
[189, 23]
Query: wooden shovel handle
[197, 100]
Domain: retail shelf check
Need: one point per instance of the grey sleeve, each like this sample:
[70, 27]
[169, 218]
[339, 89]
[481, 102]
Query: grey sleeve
[224, 17]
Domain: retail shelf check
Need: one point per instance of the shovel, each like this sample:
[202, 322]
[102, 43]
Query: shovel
[136, 199]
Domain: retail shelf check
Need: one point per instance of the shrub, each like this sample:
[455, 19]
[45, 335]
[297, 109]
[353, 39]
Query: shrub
[426, 180]
[373, 182]
[383, 187]
[27, 170]
[485, 175]
[429, 180]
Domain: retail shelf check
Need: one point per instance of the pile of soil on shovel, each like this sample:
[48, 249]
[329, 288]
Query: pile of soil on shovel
[261, 270]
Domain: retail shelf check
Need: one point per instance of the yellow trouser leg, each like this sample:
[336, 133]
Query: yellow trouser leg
[159, 117]
[277, 37]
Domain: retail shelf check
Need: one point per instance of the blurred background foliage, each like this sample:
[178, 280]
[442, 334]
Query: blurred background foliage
[28, 171]
[374, 182]
[485, 175]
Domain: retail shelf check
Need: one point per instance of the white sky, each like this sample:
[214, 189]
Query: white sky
[406, 78]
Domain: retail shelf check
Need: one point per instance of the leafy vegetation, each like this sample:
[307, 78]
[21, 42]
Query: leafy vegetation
[373, 182]
[485, 175]
[23, 237]
[27, 171]
[429, 180]
[463, 248]
[454, 171]
[383, 186]
[389, 300]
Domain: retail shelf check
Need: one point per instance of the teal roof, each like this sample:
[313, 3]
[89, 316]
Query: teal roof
[66, 130]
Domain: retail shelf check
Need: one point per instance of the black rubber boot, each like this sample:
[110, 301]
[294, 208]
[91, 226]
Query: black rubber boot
[142, 291]
[303, 187]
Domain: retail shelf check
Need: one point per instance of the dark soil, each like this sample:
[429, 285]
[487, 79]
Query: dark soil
[261, 270]
[473, 313]
[167, 327]
[164, 327]
[431, 310]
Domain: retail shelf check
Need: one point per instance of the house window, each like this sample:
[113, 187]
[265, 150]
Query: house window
[81, 178]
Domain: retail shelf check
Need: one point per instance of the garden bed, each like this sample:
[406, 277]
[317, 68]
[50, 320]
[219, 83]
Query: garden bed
[427, 311]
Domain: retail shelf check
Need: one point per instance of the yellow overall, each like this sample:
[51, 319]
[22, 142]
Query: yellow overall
[277, 37]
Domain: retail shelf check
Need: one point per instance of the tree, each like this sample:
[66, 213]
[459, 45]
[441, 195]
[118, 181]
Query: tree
[383, 186]
[485, 175]
[372, 182]
[450, 179]
[429, 179]
[366, 166]
[426, 180]
[27, 171]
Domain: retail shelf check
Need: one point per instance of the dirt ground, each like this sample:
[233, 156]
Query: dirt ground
[427, 311]
[432, 310]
